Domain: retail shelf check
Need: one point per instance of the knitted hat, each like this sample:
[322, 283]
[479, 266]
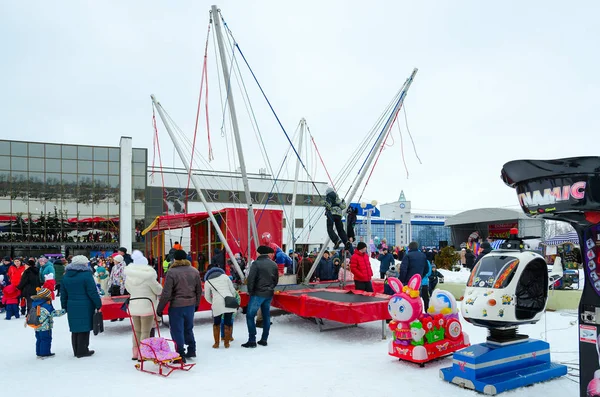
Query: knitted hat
[123, 250]
[42, 293]
[80, 260]
[264, 250]
[180, 255]
[361, 245]
[43, 260]
[118, 258]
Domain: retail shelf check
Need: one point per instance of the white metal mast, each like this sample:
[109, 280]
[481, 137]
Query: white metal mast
[292, 239]
[368, 162]
[236, 131]
[196, 184]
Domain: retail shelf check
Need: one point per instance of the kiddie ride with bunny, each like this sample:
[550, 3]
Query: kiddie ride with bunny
[421, 337]
[507, 288]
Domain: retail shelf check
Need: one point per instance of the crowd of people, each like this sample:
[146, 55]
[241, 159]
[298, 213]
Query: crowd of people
[27, 288]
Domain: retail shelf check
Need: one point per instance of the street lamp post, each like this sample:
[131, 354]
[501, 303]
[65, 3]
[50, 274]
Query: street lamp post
[369, 211]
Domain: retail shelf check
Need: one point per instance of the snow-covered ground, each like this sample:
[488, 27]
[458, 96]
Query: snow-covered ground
[299, 361]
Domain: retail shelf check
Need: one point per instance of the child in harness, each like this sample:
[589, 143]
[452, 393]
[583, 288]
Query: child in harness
[334, 209]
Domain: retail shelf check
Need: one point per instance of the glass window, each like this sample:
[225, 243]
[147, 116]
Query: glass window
[139, 182]
[36, 178]
[5, 148]
[114, 154]
[139, 155]
[52, 151]
[68, 152]
[113, 182]
[18, 149]
[84, 153]
[18, 163]
[84, 167]
[53, 165]
[139, 169]
[101, 153]
[69, 179]
[36, 164]
[69, 166]
[53, 179]
[113, 168]
[299, 223]
[493, 272]
[100, 167]
[101, 180]
[4, 162]
[36, 150]
[4, 183]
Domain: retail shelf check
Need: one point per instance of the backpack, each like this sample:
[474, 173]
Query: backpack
[33, 318]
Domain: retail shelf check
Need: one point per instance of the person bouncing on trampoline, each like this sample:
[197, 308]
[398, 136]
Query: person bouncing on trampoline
[334, 209]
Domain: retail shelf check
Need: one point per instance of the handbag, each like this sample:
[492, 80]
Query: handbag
[97, 322]
[230, 301]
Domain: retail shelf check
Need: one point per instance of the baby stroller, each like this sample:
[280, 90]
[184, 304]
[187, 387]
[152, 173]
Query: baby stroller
[156, 349]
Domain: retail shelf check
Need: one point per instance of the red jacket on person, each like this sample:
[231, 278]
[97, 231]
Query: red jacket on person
[360, 266]
[15, 273]
[11, 295]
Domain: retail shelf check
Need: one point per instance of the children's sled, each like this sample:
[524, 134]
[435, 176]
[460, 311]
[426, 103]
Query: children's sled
[156, 349]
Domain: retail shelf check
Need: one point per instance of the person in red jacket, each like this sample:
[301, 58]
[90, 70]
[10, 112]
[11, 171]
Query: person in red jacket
[11, 300]
[16, 271]
[360, 266]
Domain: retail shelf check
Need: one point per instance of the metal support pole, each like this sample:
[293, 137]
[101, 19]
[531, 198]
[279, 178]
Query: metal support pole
[236, 130]
[367, 165]
[292, 219]
[369, 211]
[196, 184]
[209, 248]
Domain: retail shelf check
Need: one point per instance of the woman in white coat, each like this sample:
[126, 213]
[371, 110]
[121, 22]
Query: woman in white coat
[217, 286]
[141, 282]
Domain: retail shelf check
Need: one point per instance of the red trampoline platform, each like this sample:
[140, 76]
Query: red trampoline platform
[111, 306]
[342, 306]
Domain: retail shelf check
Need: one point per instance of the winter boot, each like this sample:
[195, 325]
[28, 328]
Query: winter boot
[216, 335]
[228, 331]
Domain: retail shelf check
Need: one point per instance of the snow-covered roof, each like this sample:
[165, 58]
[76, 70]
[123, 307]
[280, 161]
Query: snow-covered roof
[483, 215]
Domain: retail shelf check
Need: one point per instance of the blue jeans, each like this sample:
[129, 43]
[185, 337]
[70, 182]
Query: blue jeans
[12, 310]
[181, 323]
[264, 304]
[43, 342]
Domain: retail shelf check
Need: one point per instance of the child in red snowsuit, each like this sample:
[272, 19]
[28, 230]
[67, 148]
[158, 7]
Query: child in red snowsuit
[11, 300]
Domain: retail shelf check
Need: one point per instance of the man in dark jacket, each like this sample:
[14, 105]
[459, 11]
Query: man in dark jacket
[59, 272]
[326, 269]
[386, 260]
[486, 249]
[126, 257]
[469, 259]
[262, 280]
[414, 262]
[183, 291]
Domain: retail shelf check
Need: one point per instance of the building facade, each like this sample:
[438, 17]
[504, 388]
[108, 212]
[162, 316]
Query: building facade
[399, 225]
[64, 199]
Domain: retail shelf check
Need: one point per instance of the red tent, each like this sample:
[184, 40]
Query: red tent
[233, 222]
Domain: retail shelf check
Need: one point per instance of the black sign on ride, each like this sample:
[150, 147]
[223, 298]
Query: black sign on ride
[569, 190]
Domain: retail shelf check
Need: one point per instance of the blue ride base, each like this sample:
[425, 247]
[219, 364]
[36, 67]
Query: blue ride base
[492, 369]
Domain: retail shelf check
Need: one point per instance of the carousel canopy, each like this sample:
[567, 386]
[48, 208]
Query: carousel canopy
[570, 237]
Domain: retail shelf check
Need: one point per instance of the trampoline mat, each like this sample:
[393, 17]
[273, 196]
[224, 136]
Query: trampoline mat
[348, 297]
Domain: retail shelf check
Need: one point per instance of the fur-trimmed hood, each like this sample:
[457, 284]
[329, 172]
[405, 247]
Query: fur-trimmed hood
[214, 272]
[78, 267]
[182, 262]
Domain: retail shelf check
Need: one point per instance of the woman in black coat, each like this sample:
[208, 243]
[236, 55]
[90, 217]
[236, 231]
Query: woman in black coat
[30, 280]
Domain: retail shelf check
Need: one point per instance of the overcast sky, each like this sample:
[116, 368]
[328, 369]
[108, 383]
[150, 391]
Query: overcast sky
[497, 81]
